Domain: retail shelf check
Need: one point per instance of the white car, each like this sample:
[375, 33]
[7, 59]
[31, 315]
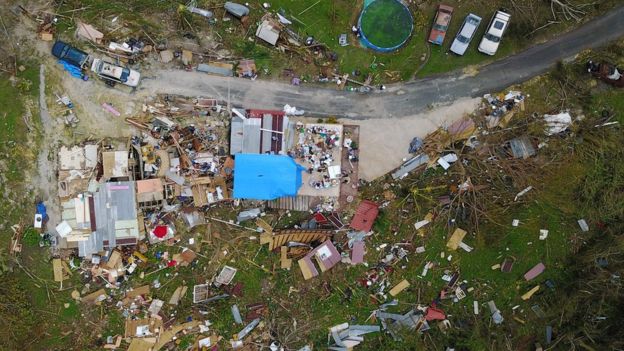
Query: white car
[494, 33]
[113, 73]
[465, 34]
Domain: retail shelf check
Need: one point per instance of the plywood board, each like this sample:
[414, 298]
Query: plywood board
[404, 284]
[456, 238]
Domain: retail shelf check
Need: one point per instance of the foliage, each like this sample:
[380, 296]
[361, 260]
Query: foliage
[31, 237]
[592, 300]
[17, 318]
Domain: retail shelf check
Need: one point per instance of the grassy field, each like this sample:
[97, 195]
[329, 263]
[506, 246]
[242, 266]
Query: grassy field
[14, 137]
[326, 20]
[18, 150]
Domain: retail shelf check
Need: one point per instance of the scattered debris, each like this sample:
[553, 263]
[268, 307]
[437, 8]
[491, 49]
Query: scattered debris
[534, 272]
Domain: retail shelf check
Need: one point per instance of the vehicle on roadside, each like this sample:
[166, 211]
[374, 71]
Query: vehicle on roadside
[69, 54]
[494, 33]
[113, 74]
[465, 34]
[606, 72]
[440, 24]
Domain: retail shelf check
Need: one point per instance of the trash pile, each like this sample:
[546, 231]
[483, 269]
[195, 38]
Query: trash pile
[502, 108]
[484, 140]
[318, 147]
[150, 321]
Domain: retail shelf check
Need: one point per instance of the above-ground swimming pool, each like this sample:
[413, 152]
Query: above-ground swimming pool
[385, 25]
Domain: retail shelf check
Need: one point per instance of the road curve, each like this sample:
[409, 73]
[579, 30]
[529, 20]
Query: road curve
[402, 99]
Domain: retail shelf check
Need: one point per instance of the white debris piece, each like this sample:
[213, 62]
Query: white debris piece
[283, 20]
[543, 234]
[292, 110]
[556, 124]
[446, 160]
[450, 158]
[466, 247]
[421, 224]
[442, 162]
[524, 191]
[426, 268]
[583, 224]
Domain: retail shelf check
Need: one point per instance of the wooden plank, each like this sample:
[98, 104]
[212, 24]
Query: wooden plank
[177, 295]
[141, 290]
[286, 263]
[399, 287]
[92, 297]
[456, 238]
[305, 270]
[113, 260]
[264, 225]
[168, 335]
[57, 267]
[142, 344]
[530, 293]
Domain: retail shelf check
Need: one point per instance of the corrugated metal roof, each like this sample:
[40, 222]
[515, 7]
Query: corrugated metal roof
[264, 131]
[251, 136]
[236, 135]
[522, 147]
[116, 213]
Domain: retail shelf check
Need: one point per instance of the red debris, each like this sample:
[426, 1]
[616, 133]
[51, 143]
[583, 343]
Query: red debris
[434, 314]
[365, 216]
[160, 231]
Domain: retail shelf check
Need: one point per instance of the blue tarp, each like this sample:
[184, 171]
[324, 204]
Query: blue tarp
[265, 177]
[41, 209]
[73, 70]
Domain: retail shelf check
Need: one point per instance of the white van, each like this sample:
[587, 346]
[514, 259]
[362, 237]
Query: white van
[494, 33]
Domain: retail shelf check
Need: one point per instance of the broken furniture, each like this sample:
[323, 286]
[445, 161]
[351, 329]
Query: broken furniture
[326, 257]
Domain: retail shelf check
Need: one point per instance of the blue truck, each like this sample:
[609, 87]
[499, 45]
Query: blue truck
[69, 54]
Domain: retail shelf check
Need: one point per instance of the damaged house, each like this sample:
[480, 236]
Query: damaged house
[98, 216]
[260, 132]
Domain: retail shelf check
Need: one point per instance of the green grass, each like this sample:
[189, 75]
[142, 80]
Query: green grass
[325, 21]
[386, 23]
[13, 140]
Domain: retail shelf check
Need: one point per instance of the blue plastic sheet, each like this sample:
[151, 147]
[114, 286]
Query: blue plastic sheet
[41, 209]
[265, 177]
[73, 70]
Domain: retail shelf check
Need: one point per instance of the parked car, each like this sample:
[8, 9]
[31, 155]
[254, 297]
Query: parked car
[440, 24]
[113, 73]
[606, 72]
[465, 34]
[494, 33]
[69, 54]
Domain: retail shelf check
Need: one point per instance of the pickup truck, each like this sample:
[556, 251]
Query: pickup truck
[69, 54]
[441, 24]
[113, 74]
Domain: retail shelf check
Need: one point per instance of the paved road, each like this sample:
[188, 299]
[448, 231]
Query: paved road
[399, 100]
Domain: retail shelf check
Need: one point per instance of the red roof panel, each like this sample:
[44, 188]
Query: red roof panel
[365, 216]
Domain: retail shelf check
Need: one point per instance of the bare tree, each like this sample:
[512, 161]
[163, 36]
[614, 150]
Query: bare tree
[567, 10]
